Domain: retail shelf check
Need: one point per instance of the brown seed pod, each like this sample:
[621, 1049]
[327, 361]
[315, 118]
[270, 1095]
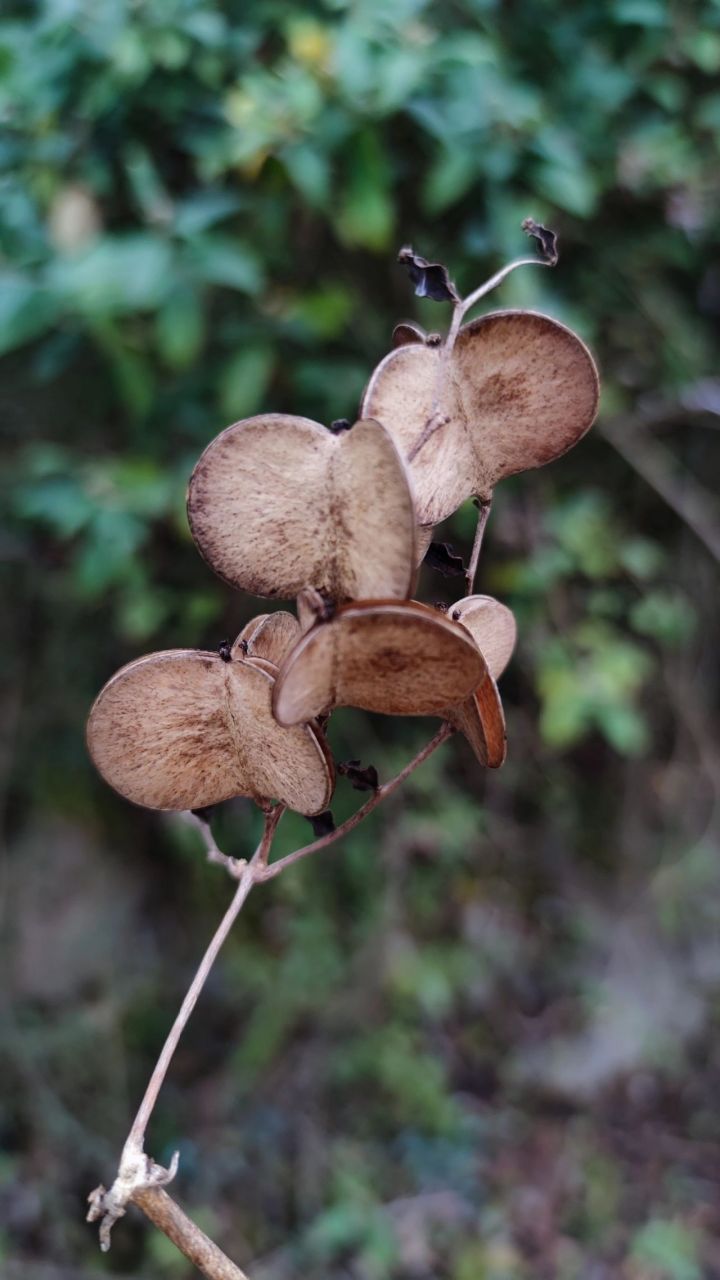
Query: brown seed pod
[423, 538]
[481, 720]
[407, 333]
[271, 636]
[520, 389]
[184, 729]
[277, 503]
[400, 658]
[492, 626]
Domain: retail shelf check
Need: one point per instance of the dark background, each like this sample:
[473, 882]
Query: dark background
[479, 1040]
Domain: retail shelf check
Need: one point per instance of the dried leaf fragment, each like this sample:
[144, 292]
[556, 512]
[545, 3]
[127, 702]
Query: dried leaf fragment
[431, 279]
[519, 390]
[183, 729]
[361, 779]
[277, 503]
[400, 658]
[441, 556]
[546, 240]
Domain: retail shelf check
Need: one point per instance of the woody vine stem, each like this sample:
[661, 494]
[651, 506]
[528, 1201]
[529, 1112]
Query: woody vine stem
[140, 1180]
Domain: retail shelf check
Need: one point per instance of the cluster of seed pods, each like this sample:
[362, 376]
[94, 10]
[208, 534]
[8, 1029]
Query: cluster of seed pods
[283, 507]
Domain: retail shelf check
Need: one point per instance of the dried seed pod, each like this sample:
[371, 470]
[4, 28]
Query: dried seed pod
[271, 636]
[492, 626]
[482, 721]
[519, 390]
[277, 503]
[407, 333]
[400, 658]
[423, 538]
[185, 729]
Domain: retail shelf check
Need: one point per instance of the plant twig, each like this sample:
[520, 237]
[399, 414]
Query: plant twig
[214, 854]
[169, 1218]
[484, 506]
[274, 869]
[140, 1180]
[137, 1170]
[436, 419]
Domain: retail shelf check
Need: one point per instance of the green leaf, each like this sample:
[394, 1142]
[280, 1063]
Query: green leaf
[222, 260]
[115, 276]
[245, 380]
[180, 328]
[367, 213]
[670, 1248]
[26, 310]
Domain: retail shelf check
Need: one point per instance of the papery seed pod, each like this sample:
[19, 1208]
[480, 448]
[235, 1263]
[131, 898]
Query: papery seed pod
[185, 729]
[492, 626]
[270, 635]
[480, 717]
[277, 503]
[519, 390]
[396, 657]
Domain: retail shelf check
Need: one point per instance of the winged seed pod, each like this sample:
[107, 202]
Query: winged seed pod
[277, 503]
[186, 729]
[398, 657]
[519, 390]
[269, 636]
[480, 718]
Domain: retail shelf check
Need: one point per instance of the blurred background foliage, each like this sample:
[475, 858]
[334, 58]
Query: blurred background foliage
[479, 1041]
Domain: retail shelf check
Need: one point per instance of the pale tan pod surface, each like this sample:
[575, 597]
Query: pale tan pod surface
[480, 718]
[247, 632]
[184, 730]
[372, 533]
[492, 626]
[521, 390]
[400, 395]
[397, 658]
[290, 765]
[277, 503]
[407, 332]
[423, 538]
[271, 636]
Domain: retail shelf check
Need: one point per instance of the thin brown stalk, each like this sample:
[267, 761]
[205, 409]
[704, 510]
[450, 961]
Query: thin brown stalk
[378, 796]
[248, 877]
[436, 419]
[140, 1181]
[484, 506]
[198, 1248]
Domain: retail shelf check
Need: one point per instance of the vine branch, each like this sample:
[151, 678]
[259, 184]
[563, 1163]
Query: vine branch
[140, 1180]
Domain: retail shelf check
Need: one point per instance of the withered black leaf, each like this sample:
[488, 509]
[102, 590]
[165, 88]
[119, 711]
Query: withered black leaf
[340, 424]
[431, 279]
[323, 824]
[225, 650]
[547, 240]
[361, 779]
[440, 556]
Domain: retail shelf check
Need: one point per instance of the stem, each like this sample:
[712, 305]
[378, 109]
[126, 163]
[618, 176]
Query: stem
[494, 281]
[381, 794]
[436, 420]
[168, 1217]
[484, 505]
[139, 1179]
[248, 877]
